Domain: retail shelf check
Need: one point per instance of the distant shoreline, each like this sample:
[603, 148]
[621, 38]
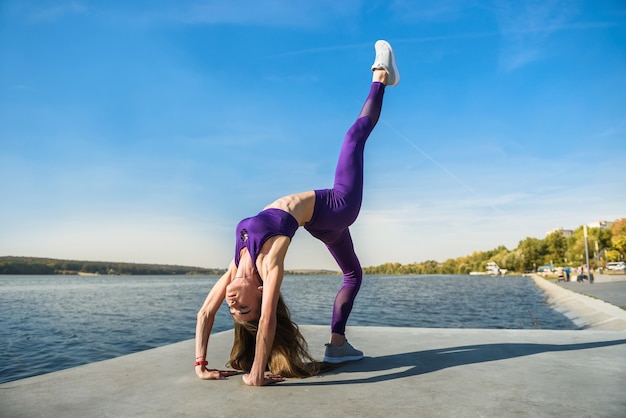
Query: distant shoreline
[310, 271]
[50, 266]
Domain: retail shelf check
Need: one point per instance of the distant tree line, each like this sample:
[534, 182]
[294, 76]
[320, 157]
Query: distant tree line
[34, 265]
[604, 245]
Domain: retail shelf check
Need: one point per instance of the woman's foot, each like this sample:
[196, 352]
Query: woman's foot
[386, 60]
[342, 353]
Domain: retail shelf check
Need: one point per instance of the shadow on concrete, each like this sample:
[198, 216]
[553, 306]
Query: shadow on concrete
[422, 362]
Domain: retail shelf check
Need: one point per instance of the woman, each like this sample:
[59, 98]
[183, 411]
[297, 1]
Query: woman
[264, 334]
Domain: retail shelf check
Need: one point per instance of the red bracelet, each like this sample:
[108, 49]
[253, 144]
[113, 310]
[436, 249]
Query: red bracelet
[200, 363]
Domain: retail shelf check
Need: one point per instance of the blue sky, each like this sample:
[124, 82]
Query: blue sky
[144, 131]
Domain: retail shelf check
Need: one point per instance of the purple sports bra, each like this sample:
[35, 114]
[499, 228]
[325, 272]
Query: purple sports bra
[253, 232]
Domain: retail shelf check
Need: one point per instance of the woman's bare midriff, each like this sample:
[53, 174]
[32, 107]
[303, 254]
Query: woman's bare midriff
[299, 205]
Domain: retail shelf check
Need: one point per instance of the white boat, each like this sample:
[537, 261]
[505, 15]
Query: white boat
[492, 270]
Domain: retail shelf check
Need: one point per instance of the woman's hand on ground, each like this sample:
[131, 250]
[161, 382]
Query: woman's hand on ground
[268, 379]
[213, 374]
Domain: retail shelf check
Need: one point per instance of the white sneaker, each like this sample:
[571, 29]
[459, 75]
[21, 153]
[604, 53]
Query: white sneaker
[341, 353]
[386, 60]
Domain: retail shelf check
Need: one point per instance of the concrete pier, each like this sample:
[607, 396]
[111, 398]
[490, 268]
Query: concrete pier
[408, 372]
[582, 304]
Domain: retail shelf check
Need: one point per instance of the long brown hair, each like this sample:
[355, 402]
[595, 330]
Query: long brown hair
[289, 356]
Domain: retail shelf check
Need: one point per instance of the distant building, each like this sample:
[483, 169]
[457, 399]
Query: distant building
[568, 232]
[600, 224]
[565, 232]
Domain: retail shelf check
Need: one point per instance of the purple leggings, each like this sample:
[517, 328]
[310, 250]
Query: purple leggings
[337, 208]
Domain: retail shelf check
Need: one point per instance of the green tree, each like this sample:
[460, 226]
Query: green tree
[556, 247]
[449, 266]
[512, 261]
[575, 253]
[618, 238]
[613, 255]
[532, 252]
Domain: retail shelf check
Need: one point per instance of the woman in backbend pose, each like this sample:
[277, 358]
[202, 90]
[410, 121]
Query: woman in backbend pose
[265, 336]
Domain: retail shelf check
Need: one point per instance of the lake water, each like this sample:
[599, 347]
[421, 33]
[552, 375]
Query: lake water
[50, 323]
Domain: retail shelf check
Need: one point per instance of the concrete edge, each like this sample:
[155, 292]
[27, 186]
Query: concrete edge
[586, 312]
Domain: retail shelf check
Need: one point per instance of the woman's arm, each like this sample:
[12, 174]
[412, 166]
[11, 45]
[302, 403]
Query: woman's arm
[272, 272]
[204, 324]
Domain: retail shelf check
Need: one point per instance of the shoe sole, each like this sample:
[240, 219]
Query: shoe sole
[336, 360]
[393, 63]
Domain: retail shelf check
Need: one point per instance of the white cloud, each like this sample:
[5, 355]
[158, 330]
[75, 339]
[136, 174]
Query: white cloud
[286, 13]
[526, 26]
[434, 10]
[46, 11]
[267, 13]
